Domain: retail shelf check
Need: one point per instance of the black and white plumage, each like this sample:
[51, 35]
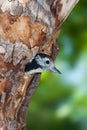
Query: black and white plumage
[40, 63]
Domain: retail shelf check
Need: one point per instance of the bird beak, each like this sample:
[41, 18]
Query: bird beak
[54, 69]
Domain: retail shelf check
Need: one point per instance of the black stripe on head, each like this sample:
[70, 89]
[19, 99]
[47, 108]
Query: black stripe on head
[31, 65]
[42, 55]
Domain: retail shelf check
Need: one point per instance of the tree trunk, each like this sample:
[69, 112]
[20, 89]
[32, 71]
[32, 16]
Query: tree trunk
[27, 27]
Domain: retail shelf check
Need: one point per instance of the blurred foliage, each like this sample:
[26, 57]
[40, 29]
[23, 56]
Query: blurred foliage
[60, 102]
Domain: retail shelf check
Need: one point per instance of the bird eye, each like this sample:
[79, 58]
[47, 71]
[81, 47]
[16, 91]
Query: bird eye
[47, 62]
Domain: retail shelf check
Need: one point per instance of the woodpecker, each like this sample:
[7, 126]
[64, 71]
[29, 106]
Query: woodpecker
[40, 63]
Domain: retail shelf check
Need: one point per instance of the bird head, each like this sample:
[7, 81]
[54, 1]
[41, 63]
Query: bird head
[40, 63]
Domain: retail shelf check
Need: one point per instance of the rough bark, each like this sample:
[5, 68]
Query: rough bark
[27, 27]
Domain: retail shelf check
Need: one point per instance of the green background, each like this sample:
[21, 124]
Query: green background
[60, 102]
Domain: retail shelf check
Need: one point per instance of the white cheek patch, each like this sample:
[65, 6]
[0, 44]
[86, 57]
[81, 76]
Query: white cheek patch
[40, 61]
[39, 70]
